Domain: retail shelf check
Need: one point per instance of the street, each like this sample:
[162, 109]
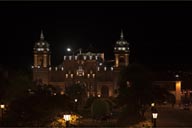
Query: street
[174, 117]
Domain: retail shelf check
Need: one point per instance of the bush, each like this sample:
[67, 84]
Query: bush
[99, 108]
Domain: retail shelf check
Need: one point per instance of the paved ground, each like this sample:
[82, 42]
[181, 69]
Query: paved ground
[174, 117]
[169, 117]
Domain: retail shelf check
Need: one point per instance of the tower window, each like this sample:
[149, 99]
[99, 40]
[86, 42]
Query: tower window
[80, 71]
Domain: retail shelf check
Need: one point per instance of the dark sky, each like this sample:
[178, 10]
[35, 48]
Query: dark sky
[159, 33]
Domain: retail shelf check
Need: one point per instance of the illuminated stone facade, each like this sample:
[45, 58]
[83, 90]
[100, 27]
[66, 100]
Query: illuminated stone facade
[89, 68]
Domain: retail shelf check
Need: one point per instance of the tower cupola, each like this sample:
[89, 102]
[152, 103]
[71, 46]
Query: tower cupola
[121, 51]
[41, 53]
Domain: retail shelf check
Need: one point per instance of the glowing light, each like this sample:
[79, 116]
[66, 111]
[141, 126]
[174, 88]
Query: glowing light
[70, 57]
[90, 57]
[111, 68]
[64, 57]
[75, 57]
[69, 49]
[71, 75]
[93, 75]
[105, 68]
[49, 68]
[98, 68]
[56, 68]
[84, 57]
[67, 117]
[88, 75]
[66, 75]
[62, 68]
[2, 106]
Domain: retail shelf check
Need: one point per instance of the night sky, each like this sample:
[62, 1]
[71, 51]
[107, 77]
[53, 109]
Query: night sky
[159, 33]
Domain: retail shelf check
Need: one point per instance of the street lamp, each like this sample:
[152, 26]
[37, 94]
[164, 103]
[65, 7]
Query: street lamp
[67, 118]
[76, 100]
[152, 104]
[154, 115]
[2, 106]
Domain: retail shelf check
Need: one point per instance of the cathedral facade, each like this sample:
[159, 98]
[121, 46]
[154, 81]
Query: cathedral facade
[99, 76]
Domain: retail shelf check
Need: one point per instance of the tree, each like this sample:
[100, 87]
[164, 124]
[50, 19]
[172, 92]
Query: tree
[76, 91]
[100, 108]
[136, 91]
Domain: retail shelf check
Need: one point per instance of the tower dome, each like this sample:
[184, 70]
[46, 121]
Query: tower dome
[41, 45]
[121, 44]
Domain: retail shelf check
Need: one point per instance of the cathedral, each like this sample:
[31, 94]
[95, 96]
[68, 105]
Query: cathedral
[99, 76]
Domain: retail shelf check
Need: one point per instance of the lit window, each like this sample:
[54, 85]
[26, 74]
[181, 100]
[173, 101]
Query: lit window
[84, 57]
[47, 49]
[64, 57]
[49, 68]
[38, 66]
[123, 48]
[38, 43]
[119, 48]
[71, 75]
[32, 66]
[70, 57]
[111, 68]
[98, 68]
[88, 75]
[96, 57]
[43, 43]
[93, 75]
[75, 57]
[66, 75]
[62, 68]
[105, 68]
[115, 48]
[80, 71]
[90, 57]
[56, 68]
[100, 64]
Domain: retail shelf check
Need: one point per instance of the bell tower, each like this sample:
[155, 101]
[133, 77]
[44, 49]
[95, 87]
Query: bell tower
[121, 51]
[42, 57]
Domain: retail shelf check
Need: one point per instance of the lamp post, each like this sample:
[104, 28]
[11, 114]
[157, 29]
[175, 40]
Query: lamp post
[76, 100]
[2, 106]
[67, 118]
[154, 115]
[152, 109]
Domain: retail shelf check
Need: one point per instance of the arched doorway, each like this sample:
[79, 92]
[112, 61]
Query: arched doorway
[104, 91]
